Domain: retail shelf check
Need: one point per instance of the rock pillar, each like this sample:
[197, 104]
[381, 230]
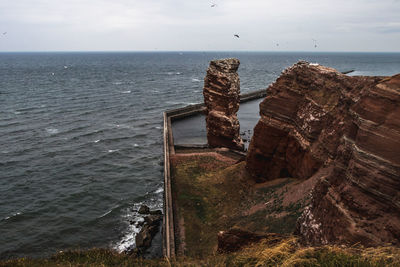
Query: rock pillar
[221, 97]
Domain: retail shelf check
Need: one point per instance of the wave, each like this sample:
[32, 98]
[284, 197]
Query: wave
[174, 73]
[122, 126]
[52, 130]
[159, 190]
[12, 216]
[105, 214]
[108, 212]
[126, 92]
[100, 131]
[195, 80]
[181, 103]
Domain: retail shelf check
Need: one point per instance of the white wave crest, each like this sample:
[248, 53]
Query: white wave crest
[11, 216]
[159, 190]
[52, 130]
[105, 214]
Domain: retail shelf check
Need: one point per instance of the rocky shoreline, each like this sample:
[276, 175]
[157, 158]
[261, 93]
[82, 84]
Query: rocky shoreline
[149, 228]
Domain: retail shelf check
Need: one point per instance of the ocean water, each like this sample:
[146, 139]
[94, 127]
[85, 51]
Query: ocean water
[81, 137]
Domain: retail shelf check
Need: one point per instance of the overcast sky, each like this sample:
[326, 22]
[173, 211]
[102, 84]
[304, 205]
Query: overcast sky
[179, 25]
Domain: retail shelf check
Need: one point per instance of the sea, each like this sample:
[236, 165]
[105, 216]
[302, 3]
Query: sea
[81, 137]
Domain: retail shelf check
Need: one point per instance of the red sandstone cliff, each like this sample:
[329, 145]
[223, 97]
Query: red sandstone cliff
[221, 97]
[316, 121]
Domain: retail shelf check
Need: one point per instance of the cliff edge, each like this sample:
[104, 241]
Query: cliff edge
[344, 132]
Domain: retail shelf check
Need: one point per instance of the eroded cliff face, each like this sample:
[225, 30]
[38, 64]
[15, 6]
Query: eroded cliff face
[221, 97]
[316, 121]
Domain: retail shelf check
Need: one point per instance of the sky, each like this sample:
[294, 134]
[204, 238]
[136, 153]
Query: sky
[200, 25]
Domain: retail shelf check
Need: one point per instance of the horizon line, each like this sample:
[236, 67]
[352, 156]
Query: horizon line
[188, 51]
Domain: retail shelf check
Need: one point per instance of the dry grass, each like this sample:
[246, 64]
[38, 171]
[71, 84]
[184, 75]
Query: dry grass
[288, 252]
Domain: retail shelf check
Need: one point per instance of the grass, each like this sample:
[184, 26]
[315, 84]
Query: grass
[207, 193]
[213, 195]
[287, 252]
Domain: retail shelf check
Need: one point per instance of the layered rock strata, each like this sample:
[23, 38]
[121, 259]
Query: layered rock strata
[221, 97]
[316, 121]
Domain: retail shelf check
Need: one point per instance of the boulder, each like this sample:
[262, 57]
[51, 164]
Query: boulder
[144, 210]
[145, 236]
[153, 219]
[155, 212]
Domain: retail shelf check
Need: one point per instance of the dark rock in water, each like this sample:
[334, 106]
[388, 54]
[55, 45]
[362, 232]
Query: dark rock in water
[343, 132]
[141, 223]
[144, 209]
[153, 219]
[132, 222]
[145, 236]
[155, 212]
[221, 97]
[235, 239]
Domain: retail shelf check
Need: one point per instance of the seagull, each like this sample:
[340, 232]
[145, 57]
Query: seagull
[213, 5]
[236, 35]
[4, 33]
[315, 43]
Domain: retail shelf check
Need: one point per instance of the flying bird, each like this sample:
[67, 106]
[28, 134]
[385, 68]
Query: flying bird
[315, 43]
[236, 35]
[213, 5]
[4, 33]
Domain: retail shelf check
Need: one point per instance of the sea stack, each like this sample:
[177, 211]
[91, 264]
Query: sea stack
[222, 97]
[343, 132]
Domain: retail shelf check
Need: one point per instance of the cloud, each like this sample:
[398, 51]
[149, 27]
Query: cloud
[195, 25]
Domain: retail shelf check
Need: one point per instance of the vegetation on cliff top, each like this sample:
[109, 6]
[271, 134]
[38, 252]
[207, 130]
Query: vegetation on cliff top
[214, 194]
[288, 252]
